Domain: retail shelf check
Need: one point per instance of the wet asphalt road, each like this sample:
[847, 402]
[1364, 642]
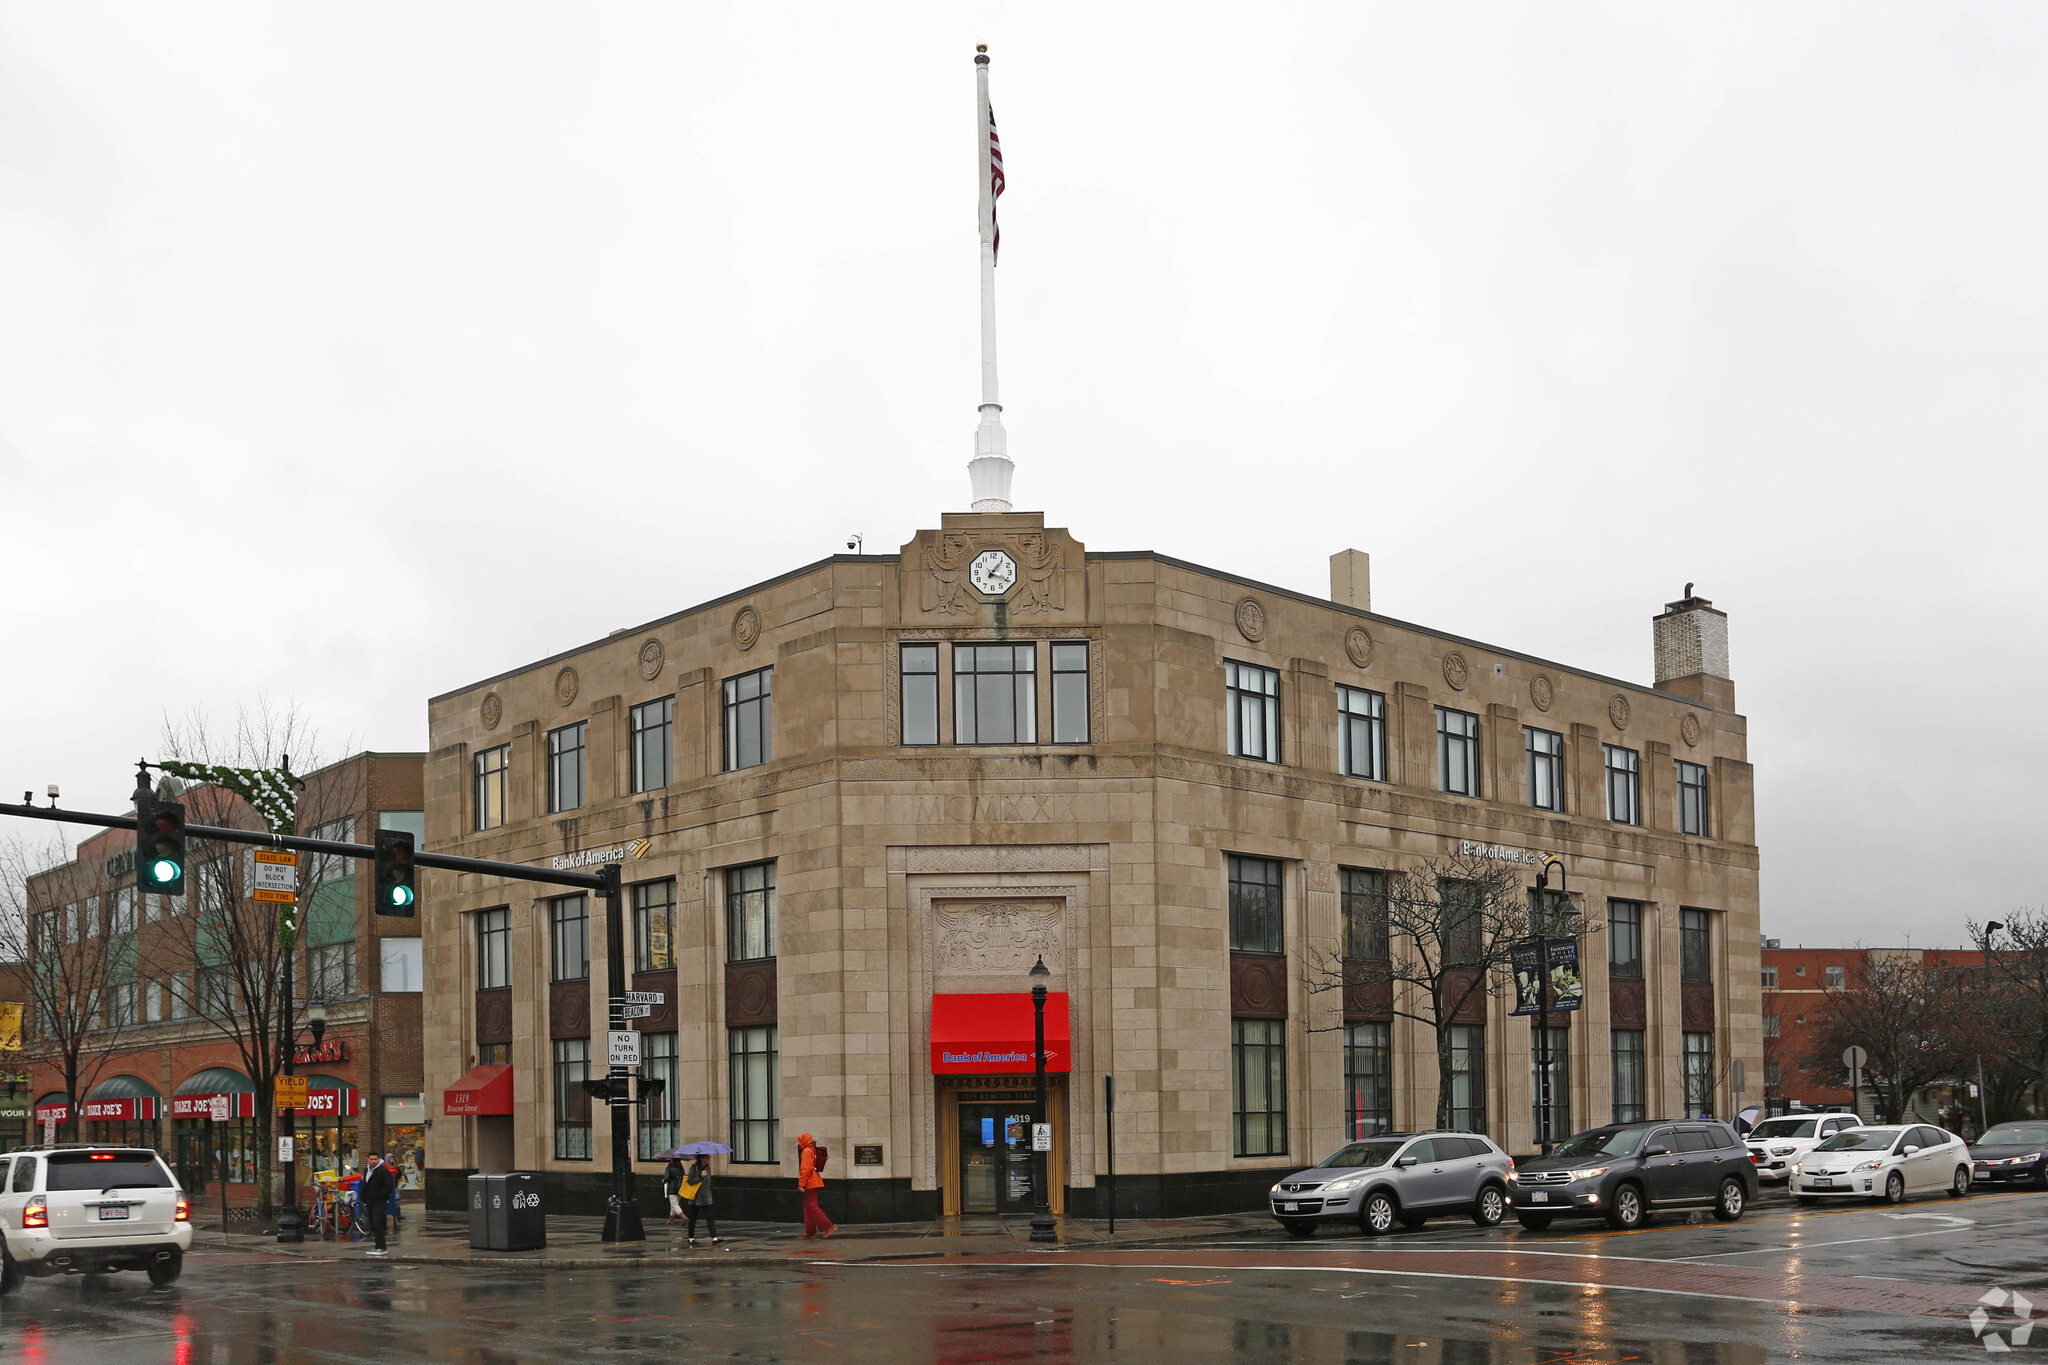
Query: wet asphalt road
[1449, 1293]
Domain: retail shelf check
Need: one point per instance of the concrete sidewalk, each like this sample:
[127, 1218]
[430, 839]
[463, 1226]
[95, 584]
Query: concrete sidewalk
[575, 1244]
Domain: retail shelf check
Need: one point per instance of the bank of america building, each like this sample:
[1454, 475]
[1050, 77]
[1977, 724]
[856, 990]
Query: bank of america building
[857, 803]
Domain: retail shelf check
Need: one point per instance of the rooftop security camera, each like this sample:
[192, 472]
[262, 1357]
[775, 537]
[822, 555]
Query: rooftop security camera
[853, 542]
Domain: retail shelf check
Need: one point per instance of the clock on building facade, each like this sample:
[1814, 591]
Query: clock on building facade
[993, 573]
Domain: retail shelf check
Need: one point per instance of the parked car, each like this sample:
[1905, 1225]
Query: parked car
[1624, 1172]
[1397, 1177]
[76, 1208]
[1776, 1144]
[2010, 1154]
[1887, 1161]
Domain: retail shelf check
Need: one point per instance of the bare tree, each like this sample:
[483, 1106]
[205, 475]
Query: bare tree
[80, 951]
[1435, 940]
[2011, 1004]
[1893, 1008]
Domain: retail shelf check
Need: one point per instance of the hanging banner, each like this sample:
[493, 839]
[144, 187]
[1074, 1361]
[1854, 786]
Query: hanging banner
[1558, 960]
[1567, 988]
[10, 1026]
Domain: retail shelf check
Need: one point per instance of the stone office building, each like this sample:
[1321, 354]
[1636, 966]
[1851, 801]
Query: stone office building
[857, 803]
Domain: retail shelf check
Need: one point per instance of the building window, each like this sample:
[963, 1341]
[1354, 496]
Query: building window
[1770, 978]
[572, 1101]
[494, 1054]
[215, 992]
[920, 694]
[569, 920]
[1625, 939]
[1631, 1080]
[124, 910]
[1252, 717]
[1255, 901]
[1468, 1077]
[331, 971]
[1836, 978]
[565, 767]
[1364, 907]
[1692, 799]
[659, 1128]
[756, 1134]
[490, 767]
[1774, 1073]
[493, 949]
[654, 737]
[1799, 970]
[654, 927]
[1553, 1122]
[1368, 1080]
[1546, 767]
[121, 1004]
[402, 963]
[1362, 733]
[1770, 1026]
[1463, 917]
[750, 912]
[153, 1002]
[1258, 1086]
[180, 996]
[995, 694]
[1070, 692]
[1695, 946]
[1699, 1075]
[1624, 786]
[1457, 751]
[749, 719]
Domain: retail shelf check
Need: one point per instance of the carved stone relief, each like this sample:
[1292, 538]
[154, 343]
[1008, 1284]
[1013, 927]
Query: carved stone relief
[1455, 671]
[1617, 711]
[997, 937]
[1540, 693]
[566, 685]
[746, 627]
[1689, 729]
[651, 658]
[1358, 645]
[1251, 619]
[492, 711]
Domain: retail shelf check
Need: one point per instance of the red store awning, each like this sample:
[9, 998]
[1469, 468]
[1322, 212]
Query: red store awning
[485, 1090]
[239, 1106]
[992, 1035]
[140, 1108]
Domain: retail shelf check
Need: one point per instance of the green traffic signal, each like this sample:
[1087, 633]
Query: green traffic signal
[163, 870]
[401, 895]
[159, 845]
[394, 872]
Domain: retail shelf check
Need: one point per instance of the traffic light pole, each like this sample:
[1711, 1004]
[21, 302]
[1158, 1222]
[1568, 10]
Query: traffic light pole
[622, 1210]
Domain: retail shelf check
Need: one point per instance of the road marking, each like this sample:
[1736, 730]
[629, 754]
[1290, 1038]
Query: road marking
[1810, 1246]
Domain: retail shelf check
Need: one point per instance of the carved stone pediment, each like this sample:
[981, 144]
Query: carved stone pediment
[998, 937]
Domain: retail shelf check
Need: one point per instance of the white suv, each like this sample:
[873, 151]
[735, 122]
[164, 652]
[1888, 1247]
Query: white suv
[1776, 1145]
[70, 1209]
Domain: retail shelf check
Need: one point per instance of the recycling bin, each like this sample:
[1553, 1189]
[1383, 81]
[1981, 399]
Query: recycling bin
[480, 1211]
[526, 1224]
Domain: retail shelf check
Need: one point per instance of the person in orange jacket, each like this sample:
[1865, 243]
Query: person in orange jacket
[810, 1165]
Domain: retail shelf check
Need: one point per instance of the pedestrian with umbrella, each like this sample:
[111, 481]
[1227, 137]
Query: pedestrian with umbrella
[693, 1187]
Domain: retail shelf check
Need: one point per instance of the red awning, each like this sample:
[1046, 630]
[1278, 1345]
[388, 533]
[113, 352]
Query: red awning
[991, 1035]
[332, 1103]
[240, 1105]
[485, 1090]
[102, 1111]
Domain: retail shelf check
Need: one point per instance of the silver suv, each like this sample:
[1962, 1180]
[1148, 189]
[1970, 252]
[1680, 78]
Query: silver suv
[70, 1209]
[1397, 1177]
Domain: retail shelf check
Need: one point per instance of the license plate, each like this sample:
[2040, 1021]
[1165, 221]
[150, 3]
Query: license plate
[112, 1211]
[1538, 1197]
[1292, 1208]
[1820, 1182]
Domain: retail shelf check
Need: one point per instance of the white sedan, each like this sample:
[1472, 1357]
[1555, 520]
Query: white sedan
[1885, 1163]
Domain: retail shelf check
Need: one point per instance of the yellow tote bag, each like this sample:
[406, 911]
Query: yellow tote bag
[689, 1192]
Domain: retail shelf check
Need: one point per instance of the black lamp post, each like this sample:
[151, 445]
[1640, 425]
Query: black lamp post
[291, 1224]
[1043, 1229]
[1543, 1097]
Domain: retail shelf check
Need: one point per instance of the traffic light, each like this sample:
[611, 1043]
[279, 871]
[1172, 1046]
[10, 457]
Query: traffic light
[159, 846]
[396, 894]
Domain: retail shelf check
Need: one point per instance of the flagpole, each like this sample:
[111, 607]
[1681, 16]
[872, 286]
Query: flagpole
[990, 469]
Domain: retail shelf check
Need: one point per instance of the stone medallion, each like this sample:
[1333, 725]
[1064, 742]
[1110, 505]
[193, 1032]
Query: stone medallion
[746, 627]
[1617, 711]
[492, 711]
[1689, 729]
[1251, 619]
[566, 686]
[1455, 671]
[651, 658]
[1358, 645]
[1540, 693]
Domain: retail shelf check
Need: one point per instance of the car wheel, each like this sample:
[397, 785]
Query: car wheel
[1377, 1217]
[1490, 1207]
[1960, 1186]
[1299, 1227]
[1895, 1189]
[166, 1272]
[1809, 1200]
[1729, 1206]
[10, 1273]
[1535, 1222]
[1412, 1221]
[2041, 1176]
[1626, 1212]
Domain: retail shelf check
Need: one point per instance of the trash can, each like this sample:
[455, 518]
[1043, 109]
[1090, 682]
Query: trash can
[479, 1212]
[526, 1224]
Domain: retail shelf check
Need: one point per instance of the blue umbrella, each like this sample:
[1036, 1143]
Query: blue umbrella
[693, 1149]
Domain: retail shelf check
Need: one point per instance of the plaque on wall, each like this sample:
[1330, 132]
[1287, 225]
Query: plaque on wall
[867, 1154]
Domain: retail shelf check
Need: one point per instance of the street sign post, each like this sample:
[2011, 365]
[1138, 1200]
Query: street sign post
[1854, 1058]
[622, 1047]
[1041, 1137]
[644, 998]
[635, 1011]
[277, 876]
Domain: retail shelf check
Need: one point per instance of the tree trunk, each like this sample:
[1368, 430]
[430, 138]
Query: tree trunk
[1444, 1073]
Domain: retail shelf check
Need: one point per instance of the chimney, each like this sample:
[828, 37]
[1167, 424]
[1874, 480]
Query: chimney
[1351, 579]
[1691, 640]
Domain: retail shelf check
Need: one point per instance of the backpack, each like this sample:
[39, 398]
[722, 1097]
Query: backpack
[818, 1155]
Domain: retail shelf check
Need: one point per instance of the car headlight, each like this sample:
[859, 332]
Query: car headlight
[1590, 1173]
[1275, 1190]
[1869, 1165]
[1795, 1167]
[1783, 1151]
[1514, 1177]
[2029, 1159]
[1348, 1183]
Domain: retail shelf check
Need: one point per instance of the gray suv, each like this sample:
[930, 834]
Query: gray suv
[1397, 1177]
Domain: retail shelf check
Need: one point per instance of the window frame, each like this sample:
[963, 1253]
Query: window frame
[1468, 1041]
[1769, 972]
[1265, 1056]
[1548, 761]
[1247, 687]
[1629, 1074]
[1834, 977]
[1068, 709]
[571, 1099]
[1695, 947]
[652, 900]
[1694, 816]
[1272, 935]
[755, 1138]
[1020, 695]
[1362, 716]
[651, 731]
[1624, 784]
[567, 767]
[568, 935]
[494, 948]
[741, 715]
[490, 771]
[1362, 914]
[927, 692]
[1624, 927]
[738, 929]
[1697, 1074]
[1368, 1079]
[1560, 1115]
[1466, 739]
[659, 1123]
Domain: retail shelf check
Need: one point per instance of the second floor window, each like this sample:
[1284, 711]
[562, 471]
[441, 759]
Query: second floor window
[749, 719]
[1625, 939]
[654, 728]
[1070, 692]
[565, 767]
[493, 949]
[654, 926]
[1692, 799]
[920, 680]
[569, 919]
[1837, 978]
[1365, 915]
[1362, 733]
[1252, 714]
[1695, 946]
[491, 766]
[995, 694]
[1770, 978]
[1254, 905]
[1546, 767]
[1457, 751]
[750, 912]
[1624, 786]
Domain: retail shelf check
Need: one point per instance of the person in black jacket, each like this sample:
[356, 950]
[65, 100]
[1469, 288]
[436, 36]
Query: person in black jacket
[373, 1198]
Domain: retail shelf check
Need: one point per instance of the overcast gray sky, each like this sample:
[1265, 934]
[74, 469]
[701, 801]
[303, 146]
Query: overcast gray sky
[438, 338]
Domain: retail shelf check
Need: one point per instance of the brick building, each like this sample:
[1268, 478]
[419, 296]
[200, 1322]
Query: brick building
[161, 1069]
[857, 801]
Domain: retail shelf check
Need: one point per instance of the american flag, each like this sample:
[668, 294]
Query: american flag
[995, 183]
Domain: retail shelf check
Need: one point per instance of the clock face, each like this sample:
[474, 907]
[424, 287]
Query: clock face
[993, 573]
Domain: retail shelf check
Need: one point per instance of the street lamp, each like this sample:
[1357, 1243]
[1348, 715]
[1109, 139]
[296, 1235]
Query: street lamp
[1043, 1229]
[291, 1224]
[1543, 1098]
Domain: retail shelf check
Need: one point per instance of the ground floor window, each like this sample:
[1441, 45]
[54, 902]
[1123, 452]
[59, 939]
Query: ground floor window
[1699, 1075]
[205, 1152]
[1631, 1087]
[1258, 1086]
[756, 1134]
[328, 1143]
[1368, 1080]
[121, 1132]
[405, 1137]
[1468, 1077]
[659, 1129]
[572, 1101]
[1553, 1120]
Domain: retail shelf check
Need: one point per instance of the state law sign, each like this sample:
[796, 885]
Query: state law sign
[277, 876]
